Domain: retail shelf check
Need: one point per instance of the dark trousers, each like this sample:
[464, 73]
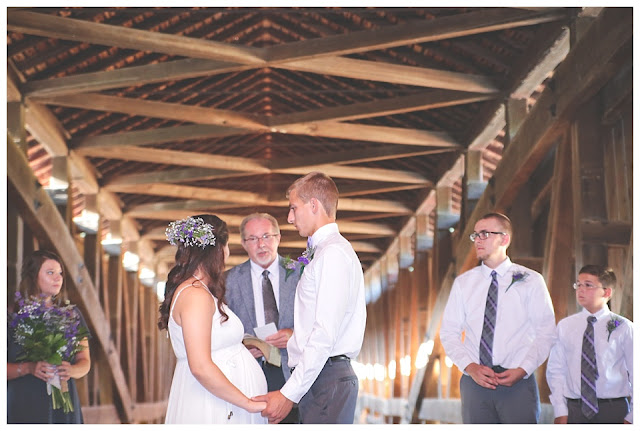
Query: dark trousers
[610, 411]
[275, 381]
[332, 397]
[517, 404]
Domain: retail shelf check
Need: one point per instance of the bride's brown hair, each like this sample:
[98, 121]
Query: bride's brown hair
[209, 259]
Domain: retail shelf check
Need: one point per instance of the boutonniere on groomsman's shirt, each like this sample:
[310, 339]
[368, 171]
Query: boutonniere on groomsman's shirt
[291, 265]
[612, 325]
[516, 277]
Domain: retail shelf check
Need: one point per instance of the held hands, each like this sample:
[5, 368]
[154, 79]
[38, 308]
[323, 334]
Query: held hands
[278, 406]
[561, 420]
[43, 370]
[487, 378]
[510, 377]
[64, 371]
[280, 338]
[482, 375]
[255, 406]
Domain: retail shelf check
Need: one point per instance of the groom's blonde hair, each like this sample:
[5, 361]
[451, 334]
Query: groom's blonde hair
[320, 186]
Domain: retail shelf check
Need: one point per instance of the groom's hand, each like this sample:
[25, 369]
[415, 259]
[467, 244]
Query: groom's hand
[278, 406]
[280, 338]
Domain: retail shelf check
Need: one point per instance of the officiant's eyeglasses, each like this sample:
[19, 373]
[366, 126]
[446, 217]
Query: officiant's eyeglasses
[577, 285]
[483, 234]
[267, 237]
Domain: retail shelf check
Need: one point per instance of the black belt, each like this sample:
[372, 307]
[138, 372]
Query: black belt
[498, 369]
[333, 359]
[338, 358]
[600, 400]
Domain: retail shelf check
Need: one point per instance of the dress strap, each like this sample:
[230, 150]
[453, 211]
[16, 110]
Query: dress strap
[186, 287]
[176, 298]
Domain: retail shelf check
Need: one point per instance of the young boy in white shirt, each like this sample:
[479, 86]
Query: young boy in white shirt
[571, 370]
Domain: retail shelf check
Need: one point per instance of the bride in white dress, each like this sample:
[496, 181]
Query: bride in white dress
[215, 375]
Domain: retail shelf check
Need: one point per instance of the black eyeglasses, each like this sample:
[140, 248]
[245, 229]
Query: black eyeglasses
[577, 285]
[483, 234]
[267, 237]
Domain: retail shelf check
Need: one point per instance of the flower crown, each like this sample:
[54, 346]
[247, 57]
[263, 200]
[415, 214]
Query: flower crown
[191, 231]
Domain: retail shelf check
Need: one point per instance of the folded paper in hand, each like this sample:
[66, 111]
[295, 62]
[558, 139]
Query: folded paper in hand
[271, 353]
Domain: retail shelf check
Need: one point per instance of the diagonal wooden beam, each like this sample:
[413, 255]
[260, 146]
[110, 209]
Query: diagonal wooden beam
[363, 132]
[131, 76]
[156, 136]
[173, 111]
[397, 105]
[354, 156]
[176, 176]
[471, 23]
[113, 35]
[361, 173]
[181, 158]
[393, 73]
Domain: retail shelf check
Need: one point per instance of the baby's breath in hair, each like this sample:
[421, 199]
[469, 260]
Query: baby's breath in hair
[192, 231]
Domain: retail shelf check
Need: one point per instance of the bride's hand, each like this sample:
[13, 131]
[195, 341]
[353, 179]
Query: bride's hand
[256, 406]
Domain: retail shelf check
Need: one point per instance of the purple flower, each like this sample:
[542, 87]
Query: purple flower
[516, 277]
[291, 265]
[612, 325]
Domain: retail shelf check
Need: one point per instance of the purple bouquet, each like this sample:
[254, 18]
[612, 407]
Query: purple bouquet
[48, 333]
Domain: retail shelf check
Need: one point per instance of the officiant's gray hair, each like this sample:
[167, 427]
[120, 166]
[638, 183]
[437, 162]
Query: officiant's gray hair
[320, 186]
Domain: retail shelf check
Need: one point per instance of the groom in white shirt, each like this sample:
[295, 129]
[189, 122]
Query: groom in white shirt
[505, 312]
[329, 313]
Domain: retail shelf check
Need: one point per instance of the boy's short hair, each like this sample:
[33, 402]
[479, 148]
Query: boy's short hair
[320, 186]
[504, 221]
[605, 275]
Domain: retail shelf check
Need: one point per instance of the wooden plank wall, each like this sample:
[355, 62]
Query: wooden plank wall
[573, 207]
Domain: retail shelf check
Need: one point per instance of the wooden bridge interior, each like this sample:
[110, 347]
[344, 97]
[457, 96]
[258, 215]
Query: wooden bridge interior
[120, 120]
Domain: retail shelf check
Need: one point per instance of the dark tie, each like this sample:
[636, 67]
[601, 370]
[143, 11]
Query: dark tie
[589, 371]
[489, 325]
[269, 300]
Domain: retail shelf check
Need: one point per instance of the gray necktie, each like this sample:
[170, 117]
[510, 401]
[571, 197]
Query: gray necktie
[489, 326]
[588, 372]
[269, 300]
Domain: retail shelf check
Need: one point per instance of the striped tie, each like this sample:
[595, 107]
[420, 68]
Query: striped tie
[589, 371]
[488, 328]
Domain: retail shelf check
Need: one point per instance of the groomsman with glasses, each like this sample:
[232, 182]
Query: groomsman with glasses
[505, 312]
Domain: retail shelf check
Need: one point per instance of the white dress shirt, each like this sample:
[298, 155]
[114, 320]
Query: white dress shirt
[329, 313]
[525, 322]
[256, 281]
[614, 359]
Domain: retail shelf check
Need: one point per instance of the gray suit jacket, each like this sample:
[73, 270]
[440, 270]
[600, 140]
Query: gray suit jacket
[239, 298]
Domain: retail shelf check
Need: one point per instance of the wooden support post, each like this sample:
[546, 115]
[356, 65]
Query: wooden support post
[92, 240]
[588, 187]
[558, 270]
[59, 188]
[16, 131]
[474, 173]
[424, 232]
[515, 114]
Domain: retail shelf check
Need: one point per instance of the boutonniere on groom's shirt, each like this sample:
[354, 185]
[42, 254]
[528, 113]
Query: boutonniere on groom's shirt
[516, 277]
[612, 325]
[291, 265]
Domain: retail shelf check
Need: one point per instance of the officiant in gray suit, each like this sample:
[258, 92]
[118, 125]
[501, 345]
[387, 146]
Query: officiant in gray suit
[259, 292]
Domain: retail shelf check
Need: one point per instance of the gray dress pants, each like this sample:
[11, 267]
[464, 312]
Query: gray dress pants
[517, 404]
[332, 397]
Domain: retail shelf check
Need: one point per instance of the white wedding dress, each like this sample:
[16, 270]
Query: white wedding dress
[189, 401]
